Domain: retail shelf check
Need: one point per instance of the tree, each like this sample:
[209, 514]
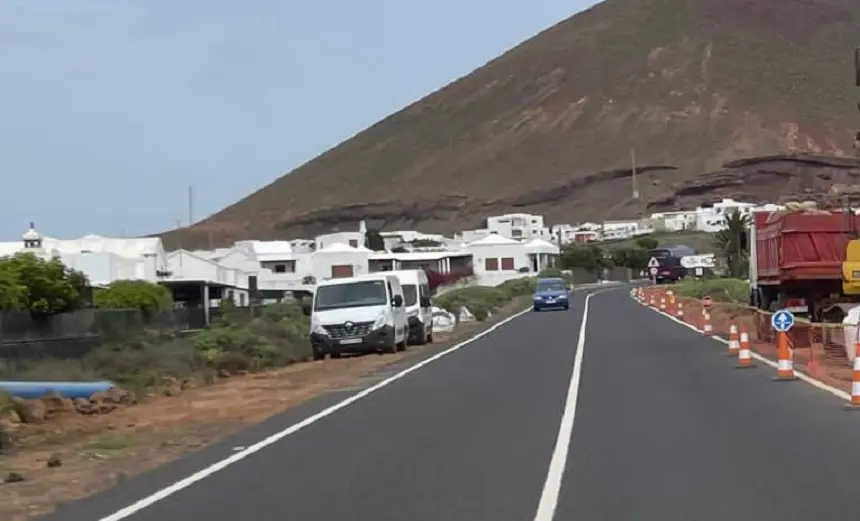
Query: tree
[647, 243]
[583, 256]
[374, 241]
[730, 243]
[148, 297]
[40, 287]
[633, 258]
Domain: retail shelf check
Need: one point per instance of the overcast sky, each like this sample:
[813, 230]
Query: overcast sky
[110, 109]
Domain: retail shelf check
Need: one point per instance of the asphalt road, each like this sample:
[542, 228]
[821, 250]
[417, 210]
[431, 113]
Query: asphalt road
[664, 429]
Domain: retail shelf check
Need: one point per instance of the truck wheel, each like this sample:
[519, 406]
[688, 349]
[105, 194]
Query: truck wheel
[318, 355]
[393, 348]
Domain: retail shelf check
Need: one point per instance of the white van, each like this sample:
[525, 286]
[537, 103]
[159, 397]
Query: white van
[416, 300]
[358, 315]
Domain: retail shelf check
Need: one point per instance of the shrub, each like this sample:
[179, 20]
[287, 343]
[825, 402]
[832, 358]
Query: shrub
[233, 343]
[482, 300]
[146, 296]
[719, 289]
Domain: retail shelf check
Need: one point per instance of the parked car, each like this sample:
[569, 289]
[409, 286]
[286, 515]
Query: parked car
[416, 301]
[358, 315]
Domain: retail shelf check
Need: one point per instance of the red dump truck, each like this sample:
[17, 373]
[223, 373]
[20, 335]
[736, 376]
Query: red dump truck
[796, 262]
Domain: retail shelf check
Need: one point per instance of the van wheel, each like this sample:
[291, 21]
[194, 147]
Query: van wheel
[430, 338]
[393, 348]
[402, 345]
[335, 355]
[318, 355]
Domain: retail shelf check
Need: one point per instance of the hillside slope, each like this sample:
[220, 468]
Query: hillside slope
[547, 127]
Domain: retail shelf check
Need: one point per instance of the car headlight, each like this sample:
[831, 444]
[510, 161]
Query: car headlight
[379, 322]
[317, 328]
[537, 297]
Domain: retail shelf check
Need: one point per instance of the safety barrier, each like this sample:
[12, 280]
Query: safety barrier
[818, 350]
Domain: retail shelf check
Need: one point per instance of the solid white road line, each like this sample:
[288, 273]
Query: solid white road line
[767, 361]
[257, 447]
[552, 486]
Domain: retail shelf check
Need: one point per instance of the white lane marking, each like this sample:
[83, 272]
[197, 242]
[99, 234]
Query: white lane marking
[767, 361]
[257, 447]
[552, 485]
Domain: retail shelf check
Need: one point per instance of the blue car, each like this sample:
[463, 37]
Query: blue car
[551, 294]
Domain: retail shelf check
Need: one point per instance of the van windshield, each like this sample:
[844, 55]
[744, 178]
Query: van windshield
[410, 294]
[351, 295]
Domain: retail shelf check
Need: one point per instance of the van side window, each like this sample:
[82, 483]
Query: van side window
[390, 291]
[424, 291]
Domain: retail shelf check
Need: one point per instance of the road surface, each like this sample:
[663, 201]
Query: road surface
[663, 428]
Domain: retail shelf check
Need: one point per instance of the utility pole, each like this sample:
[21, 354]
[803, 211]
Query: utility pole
[190, 205]
[633, 174]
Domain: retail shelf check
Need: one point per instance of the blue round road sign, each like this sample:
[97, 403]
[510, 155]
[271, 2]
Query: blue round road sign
[782, 320]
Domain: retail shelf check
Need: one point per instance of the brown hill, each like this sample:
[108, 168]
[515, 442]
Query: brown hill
[547, 127]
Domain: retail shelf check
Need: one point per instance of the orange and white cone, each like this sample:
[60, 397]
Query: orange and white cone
[854, 403]
[744, 353]
[734, 343]
[679, 311]
[652, 302]
[784, 362]
[662, 303]
[707, 328]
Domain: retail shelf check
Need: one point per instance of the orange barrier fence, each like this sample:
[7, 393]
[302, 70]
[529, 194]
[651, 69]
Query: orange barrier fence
[818, 350]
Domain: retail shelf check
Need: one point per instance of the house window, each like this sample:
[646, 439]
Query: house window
[491, 264]
[508, 263]
[353, 243]
[280, 268]
[516, 232]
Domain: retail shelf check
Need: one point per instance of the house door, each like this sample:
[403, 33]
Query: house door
[340, 271]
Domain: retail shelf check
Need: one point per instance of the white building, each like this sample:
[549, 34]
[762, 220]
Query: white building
[497, 259]
[519, 226]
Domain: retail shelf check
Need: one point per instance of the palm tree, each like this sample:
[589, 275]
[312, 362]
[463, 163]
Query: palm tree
[730, 242]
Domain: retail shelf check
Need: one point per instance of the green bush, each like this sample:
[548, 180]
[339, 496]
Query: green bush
[719, 289]
[233, 343]
[148, 297]
[481, 300]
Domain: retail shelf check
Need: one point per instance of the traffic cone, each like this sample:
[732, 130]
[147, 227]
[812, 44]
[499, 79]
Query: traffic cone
[734, 344]
[652, 302]
[784, 362]
[707, 328]
[662, 303]
[854, 404]
[679, 313]
[744, 355]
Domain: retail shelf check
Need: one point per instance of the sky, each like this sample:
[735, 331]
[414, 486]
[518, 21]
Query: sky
[111, 109]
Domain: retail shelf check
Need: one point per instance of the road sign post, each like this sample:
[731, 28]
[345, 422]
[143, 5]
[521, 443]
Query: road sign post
[782, 321]
[653, 265]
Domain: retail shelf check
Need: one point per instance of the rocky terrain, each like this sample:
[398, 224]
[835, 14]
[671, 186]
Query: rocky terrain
[714, 96]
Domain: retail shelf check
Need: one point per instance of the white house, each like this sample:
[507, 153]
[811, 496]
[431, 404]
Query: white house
[497, 259]
[193, 278]
[340, 260]
[518, 226]
[102, 259]
[541, 254]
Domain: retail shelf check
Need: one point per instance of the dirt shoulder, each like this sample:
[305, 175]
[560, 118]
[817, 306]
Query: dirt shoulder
[72, 456]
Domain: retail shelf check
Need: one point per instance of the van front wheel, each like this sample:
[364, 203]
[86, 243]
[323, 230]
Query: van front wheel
[393, 348]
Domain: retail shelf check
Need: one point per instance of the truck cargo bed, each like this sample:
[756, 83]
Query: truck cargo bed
[802, 246]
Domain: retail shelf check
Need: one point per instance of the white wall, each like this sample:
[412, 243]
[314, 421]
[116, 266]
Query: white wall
[322, 262]
[324, 241]
[481, 252]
